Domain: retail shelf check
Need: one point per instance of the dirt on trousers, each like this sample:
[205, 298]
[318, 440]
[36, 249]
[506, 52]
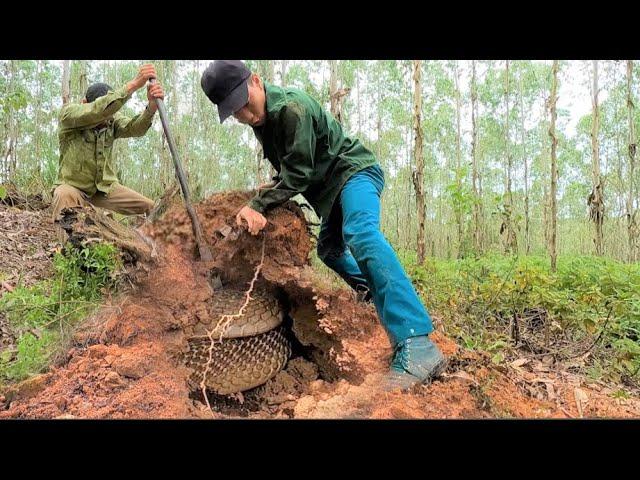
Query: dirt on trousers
[125, 362]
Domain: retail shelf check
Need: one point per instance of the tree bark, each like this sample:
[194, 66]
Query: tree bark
[10, 156]
[525, 161]
[82, 80]
[631, 212]
[336, 95]
[36, 139]
[458, 211]
[65, 82]
[333, 88]
[554, 168]
[507, 228]
[418, 177]
[474, 156]
[596, 197]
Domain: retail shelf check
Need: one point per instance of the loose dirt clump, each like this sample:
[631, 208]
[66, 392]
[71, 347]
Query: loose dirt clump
[126, 359]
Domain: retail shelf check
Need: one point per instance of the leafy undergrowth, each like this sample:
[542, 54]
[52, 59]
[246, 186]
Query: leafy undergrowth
[586, 315]
[42, 315]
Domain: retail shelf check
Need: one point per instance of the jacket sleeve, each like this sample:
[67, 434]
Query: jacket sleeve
[88, 115]
[135, 126]
[296, 165]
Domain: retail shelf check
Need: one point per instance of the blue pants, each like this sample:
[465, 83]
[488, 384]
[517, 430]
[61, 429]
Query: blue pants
[351, 244]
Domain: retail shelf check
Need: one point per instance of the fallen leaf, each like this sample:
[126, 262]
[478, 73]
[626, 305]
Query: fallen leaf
[550, 391]
[539, 367]
[226, 230]
[581, 400]
[520, 362]
[7, 287]
[462, 375]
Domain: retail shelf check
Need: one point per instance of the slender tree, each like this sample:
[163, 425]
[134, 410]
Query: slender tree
[474, 156]
[631, 212]
[38, 107]
[554, 167]
[507, 228]
[458, 211]
[66, 87]
[596, 197]
[418, 176]
[525, 161]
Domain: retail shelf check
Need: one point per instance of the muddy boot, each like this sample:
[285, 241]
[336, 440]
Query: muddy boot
[416, 360]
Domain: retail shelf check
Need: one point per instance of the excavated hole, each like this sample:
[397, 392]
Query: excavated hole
[307, 364]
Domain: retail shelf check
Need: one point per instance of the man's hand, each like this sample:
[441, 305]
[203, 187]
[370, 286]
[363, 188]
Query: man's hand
[146, 72]
[154, 91]
[255, 220]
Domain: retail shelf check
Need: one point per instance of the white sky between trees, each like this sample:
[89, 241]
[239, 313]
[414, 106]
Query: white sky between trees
[574, 99]
[574, 93]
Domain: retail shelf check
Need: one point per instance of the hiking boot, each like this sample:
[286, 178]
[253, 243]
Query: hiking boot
[416, 360]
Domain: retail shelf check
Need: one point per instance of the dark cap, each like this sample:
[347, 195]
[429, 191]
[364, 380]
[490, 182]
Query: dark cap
[225, 83]
[96, 91]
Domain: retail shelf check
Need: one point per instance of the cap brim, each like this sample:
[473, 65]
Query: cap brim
[237, 99]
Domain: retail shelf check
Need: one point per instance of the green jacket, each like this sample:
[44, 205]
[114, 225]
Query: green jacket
[308, 149]
[85, 151]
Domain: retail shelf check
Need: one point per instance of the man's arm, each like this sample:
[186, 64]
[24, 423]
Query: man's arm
[296, 164]
[87, 115]
[138, 125]
[135, 126]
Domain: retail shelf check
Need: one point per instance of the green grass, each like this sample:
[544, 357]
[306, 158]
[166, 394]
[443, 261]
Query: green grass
[476, 298]
[42, 314]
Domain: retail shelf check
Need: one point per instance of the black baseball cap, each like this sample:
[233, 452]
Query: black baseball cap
[225, 83]
[96, 91]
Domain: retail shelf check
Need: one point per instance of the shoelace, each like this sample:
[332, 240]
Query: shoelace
[401, 355]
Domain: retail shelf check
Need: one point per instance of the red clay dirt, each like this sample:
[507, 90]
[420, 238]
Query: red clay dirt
[125, 361]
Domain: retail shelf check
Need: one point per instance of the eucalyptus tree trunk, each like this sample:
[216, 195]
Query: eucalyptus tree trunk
[554, 168]
[596, 197]
[458, 211]
[65, 81]
[418, 177]
[525, 161]
[474, 156]
[507, 228]
[631, 212]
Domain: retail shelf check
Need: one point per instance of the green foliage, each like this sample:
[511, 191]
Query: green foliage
[16, 100]
[40, 314]
[32, 356]
[460, 193]
[3, 192]
[476, 298]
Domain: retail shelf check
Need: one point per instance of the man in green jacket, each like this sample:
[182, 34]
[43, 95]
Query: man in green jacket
[86, 133]
[342, 180]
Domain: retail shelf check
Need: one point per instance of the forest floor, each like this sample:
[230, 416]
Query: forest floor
[124, 359]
